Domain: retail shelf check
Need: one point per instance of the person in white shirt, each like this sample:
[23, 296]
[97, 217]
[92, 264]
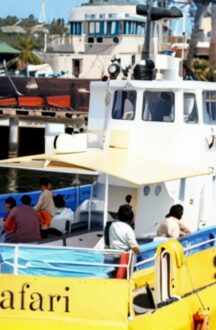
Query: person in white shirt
[171, 226]
[62, 214]
[121, 235]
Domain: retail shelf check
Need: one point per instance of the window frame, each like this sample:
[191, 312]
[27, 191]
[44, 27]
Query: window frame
[122, 112]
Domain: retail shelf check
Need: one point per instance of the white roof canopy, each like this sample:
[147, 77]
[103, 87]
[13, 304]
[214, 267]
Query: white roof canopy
[117, 162]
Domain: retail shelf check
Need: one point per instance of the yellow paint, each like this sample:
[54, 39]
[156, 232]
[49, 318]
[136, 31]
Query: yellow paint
[144, 276]
[52, 302]
[179, 315]
[197, 271]
[186, 272]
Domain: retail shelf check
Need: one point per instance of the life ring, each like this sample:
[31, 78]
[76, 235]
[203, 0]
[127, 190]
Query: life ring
[121, 272]
[201, 321]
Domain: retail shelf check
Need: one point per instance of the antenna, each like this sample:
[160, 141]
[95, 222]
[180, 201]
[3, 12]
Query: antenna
[42, 18]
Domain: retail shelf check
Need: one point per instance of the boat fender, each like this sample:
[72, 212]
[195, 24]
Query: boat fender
[123, 260]
[201, 321]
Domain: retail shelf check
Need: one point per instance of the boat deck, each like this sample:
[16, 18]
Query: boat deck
[81, 238]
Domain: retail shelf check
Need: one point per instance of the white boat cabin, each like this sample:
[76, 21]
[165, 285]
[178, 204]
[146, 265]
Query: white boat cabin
[164, 120]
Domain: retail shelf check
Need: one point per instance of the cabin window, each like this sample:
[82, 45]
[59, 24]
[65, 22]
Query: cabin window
[124, 104]
[158, 106]
[190, 109]
[76, 28]
[130, 27]
[209, 107]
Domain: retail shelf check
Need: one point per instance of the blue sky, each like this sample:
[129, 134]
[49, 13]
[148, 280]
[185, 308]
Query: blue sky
[23, 8]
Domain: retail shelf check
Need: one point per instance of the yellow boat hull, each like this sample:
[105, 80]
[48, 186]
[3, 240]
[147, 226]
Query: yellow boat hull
[29, 302]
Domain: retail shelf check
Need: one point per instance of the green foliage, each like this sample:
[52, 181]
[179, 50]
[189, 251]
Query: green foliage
[202, 70]
[9, 20]
[27, 45]
[29, 22]
[15, 40]
[58, 26]
[211, 75]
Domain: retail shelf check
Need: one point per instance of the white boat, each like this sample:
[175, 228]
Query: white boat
[153, 139]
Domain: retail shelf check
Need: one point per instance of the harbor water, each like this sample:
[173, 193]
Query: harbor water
[17, 180]
[14, 180]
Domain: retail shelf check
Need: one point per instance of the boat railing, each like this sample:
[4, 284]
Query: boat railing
[144, 262]
[26, 259]
[188, 250]
[209, 242]
[73, 196]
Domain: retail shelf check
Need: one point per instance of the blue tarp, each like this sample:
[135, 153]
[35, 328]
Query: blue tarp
[47, 261]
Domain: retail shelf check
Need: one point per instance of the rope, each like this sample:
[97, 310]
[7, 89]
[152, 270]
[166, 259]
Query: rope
[193, 288]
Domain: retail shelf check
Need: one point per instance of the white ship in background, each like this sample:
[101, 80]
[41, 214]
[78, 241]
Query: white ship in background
[99, 32]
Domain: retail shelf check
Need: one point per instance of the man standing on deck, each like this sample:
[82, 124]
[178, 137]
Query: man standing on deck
[45, 206]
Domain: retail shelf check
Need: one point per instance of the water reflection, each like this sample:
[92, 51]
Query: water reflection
[17, 180]
[12, 180]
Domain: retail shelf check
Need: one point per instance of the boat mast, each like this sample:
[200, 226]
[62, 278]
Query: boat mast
[146, 45]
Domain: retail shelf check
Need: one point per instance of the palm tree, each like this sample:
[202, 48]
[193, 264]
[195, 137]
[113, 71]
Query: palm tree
[27, 56]
[202, 6]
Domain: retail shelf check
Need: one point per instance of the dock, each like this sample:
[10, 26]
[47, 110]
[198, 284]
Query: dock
[16, 117]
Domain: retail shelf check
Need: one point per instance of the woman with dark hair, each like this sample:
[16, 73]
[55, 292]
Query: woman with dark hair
[171, 226]
[121, 235]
